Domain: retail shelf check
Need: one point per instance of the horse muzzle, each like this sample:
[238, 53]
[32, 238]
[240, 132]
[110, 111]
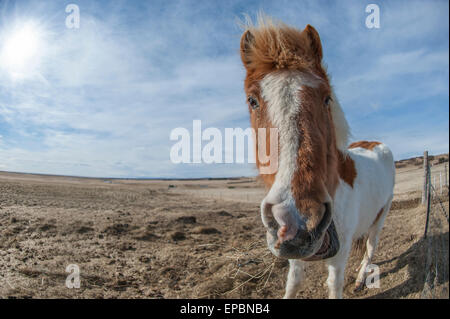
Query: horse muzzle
[289, 238]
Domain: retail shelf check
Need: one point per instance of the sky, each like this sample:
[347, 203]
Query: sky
[101, 100]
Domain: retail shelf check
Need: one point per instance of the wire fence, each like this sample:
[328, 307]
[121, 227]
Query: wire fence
[436, 245]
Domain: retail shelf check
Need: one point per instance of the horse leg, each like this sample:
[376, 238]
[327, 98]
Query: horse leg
[336, 271]
[294, 278]
[371, 244]
[370, 249]
[362, 261]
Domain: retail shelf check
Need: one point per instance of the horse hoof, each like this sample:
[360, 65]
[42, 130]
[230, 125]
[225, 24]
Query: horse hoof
[358, 287]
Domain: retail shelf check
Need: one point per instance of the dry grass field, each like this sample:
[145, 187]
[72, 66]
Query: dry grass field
[183, 239]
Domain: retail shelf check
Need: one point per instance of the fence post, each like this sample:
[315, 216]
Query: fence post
[445, 174]
[425, 176]
[428, 192]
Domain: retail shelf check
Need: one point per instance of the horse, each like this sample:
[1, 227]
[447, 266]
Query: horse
[325, 194]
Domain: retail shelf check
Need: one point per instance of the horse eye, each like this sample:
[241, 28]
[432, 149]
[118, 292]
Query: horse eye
[328, 99]
[253, 102]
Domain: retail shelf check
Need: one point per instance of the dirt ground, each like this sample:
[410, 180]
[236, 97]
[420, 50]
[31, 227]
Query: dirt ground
[182, 239]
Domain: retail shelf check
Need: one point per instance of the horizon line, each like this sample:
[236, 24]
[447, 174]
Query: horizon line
[170, 178]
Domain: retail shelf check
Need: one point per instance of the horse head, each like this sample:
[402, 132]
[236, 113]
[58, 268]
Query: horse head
[287, 88]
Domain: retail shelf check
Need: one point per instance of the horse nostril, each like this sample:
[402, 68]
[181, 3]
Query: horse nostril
[281, 236]
[286, 221]
[316, 216]
[324, 220]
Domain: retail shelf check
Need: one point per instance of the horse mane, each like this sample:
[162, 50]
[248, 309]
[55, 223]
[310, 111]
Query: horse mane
[341, 127]
[276, 46]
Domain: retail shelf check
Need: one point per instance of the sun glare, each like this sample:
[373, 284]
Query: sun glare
[20, 52]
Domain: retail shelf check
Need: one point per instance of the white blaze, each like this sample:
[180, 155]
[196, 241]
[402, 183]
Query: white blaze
[281, 92]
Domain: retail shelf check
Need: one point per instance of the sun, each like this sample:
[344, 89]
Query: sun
[20, 52]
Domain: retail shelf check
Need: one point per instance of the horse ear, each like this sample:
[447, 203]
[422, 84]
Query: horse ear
[314, 42]
[247, 40]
